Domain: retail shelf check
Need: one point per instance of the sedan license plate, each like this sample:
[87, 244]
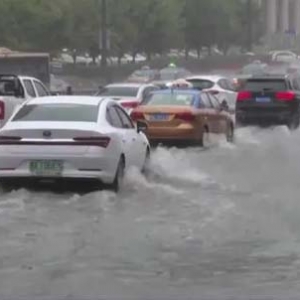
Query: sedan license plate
[263, 99]
[46, 167]
[159, 117]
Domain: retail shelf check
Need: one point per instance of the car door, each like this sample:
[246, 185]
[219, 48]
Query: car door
[229, 92]
[219, 115]
[41, 90]
[126, 136]
[214, 116]
[206, 111]
[138, 149]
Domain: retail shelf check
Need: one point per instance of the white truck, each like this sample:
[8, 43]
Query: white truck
[14, 90]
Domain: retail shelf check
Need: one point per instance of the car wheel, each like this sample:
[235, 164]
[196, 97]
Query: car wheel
[205, 138]
[116, 185]
[230, 134]
[145, 168]
[294, 122]
[7, 186]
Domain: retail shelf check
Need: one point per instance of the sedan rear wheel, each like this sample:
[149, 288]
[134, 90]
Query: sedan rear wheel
[230, 134]
[145, 168]
[295, 121]
[205, 138]
[7, 185]
[117, 183]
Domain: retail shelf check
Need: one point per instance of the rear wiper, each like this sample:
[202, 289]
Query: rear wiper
[268, 89]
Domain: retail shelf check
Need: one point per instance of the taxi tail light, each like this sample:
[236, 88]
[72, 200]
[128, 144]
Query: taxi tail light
[243, 95]
[185, 116]
[2, 110]
[136, 115]
[285, 96]
[102, 141]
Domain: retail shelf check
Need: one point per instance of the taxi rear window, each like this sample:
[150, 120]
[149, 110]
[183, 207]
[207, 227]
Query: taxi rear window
[183, 99]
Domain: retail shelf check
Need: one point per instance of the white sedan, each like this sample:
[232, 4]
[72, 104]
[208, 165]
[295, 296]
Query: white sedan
[219, 86]
[129, 95]
[71, 137]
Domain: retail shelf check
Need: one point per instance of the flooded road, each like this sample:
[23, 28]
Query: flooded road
[206, 223]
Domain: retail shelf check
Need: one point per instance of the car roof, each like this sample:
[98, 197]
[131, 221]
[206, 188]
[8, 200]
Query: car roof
[125, 84]
[88, 100]
[18, 76]
[177, 91]
[206, 77]
[269, 77]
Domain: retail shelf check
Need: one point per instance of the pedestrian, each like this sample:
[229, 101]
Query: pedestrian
[69, 90]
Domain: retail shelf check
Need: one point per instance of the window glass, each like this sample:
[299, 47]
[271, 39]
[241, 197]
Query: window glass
[29, 87]
[119, 91]
[201, 84]
[42, 92]
[58, 113]
[265, 84]
[182, 99]
[114, 118]
[125, 119]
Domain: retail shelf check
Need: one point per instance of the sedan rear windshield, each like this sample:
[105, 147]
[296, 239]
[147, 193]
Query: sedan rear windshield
[172, 99]
[201, 84]
[119, 91]
[265, 85]
[57, 113]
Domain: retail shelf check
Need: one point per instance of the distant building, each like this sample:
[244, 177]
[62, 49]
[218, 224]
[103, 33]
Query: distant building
[281, 16]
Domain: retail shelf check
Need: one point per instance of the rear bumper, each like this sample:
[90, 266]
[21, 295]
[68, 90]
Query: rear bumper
[23, 175]
[165, 134]
[261, 116]
[74, 167]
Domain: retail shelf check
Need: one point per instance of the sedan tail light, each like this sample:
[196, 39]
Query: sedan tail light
[285, 96]
[2, 110]
[9, 140]
[131, 104]
[102, 141]
[185, 116]
[243, 95]
[136, 115]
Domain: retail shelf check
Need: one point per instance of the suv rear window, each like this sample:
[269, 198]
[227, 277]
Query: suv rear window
[265, 84]
[201, 84]
[10, 86]
[119, 91]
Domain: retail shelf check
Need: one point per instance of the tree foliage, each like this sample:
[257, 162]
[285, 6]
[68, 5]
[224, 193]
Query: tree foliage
[134, 26]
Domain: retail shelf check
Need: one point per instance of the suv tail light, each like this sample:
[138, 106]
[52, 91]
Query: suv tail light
[130, 104]
[136, 115]
[2, 110]
[243, 95]
[285, 96]
[102, 141]
[185, 116]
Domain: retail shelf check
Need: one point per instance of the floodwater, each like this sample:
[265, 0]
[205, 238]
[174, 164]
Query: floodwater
[222, 223]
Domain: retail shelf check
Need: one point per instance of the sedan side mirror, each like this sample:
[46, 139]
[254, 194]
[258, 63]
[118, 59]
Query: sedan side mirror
[141, 126]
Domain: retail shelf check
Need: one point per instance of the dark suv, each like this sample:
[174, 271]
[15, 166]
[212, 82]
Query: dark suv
[269, 100]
